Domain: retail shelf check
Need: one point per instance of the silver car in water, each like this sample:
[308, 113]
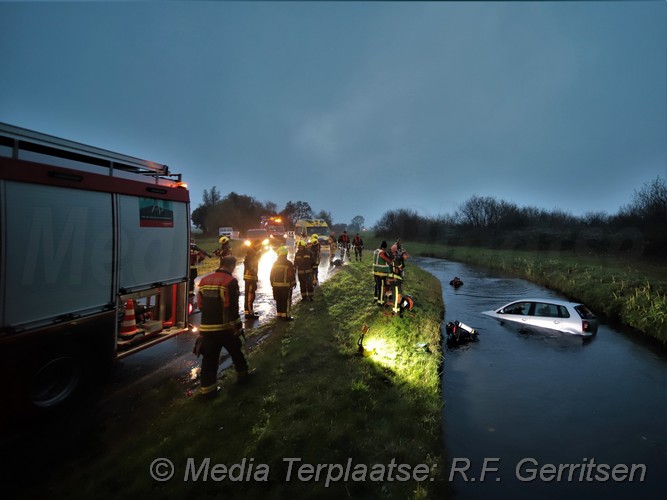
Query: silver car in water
[553, 314]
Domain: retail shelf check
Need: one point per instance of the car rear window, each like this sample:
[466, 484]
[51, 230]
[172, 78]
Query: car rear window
[563, 312]
[584, 312]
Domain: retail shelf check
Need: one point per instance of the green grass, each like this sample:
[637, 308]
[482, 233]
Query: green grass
[631, 292]
[314, 398]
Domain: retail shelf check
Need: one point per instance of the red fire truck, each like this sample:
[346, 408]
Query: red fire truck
[275, 226]
[94, 262]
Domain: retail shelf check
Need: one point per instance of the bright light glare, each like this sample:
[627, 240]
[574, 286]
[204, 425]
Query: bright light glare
[265, 264]
[380, 350]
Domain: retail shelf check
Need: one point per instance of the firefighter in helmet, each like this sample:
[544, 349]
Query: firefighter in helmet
[358, 245]
[344, 244]
[332, 247]
[314, 245]
[225, 247]
[283, 280]
[381, 269]
[250, 278]
[218, 299]
[395, 278]
[303, 265]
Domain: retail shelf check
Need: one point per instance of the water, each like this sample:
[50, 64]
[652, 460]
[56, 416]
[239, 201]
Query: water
[547, 398]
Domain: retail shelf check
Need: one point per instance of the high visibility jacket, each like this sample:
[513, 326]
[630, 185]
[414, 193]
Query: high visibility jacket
[282, 273]
[357, 242]
[303, 261]
[218, 299]
[381, 263]
[251, 265]
[397, 267]
[315, 251]
[344, 239]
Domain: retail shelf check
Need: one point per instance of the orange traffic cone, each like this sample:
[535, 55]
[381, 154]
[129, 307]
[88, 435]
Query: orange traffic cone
[128, 328]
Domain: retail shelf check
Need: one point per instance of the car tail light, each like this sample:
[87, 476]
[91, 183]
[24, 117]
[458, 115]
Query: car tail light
[190, 308]
[585, 327]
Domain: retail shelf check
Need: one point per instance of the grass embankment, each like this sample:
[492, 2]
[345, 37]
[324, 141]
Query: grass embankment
[631, 292]
[313, 399]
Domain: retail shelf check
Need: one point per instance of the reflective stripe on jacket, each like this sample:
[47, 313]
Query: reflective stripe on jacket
[282, 273]
[251, 266]
[303, 261]
[381, 263]
[218, 299]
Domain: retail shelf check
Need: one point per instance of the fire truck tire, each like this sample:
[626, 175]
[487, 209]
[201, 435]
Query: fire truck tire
[56, 379]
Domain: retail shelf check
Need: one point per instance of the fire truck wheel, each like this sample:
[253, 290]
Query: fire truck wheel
[56, 380]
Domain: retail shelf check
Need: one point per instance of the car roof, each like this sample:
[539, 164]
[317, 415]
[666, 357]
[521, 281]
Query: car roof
[548, 300]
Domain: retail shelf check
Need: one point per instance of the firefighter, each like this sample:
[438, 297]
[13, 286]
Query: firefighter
[218, 299]
[381, 269]
[358, 245]
[197, 255]
[332, 247]
[303, 265]
[283, 280]
[250, 278]
[395, 278]
[344, 243]
[315, 251]
[225, 247]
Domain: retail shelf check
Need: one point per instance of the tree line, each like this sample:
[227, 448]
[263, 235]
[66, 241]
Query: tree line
[638, 229]
[243, 212]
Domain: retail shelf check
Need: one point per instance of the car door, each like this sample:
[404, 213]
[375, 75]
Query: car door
[519, 312]
[546, 315]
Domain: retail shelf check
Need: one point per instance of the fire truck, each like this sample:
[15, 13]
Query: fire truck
[275, 226]
[94, 262]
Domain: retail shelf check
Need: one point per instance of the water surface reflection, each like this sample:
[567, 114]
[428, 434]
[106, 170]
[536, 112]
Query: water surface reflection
[546, 396]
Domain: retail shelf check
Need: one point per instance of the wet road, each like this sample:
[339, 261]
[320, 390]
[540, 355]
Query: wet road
[548, 398]
[30, 445]
[173, 359]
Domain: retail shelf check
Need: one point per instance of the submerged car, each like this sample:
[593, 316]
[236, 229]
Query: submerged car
[553, 314]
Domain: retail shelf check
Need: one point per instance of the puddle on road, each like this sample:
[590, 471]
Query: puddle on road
[264, 304]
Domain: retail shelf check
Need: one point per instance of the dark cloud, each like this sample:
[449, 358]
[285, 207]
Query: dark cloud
[356, 108]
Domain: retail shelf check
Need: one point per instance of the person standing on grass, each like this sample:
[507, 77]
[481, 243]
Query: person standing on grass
[395, 278]
[381, 269]
[283, 280]
[218, 300]
[358, 245]
[344, 244]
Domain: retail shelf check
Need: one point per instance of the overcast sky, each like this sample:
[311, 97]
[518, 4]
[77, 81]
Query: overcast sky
[356, 108]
